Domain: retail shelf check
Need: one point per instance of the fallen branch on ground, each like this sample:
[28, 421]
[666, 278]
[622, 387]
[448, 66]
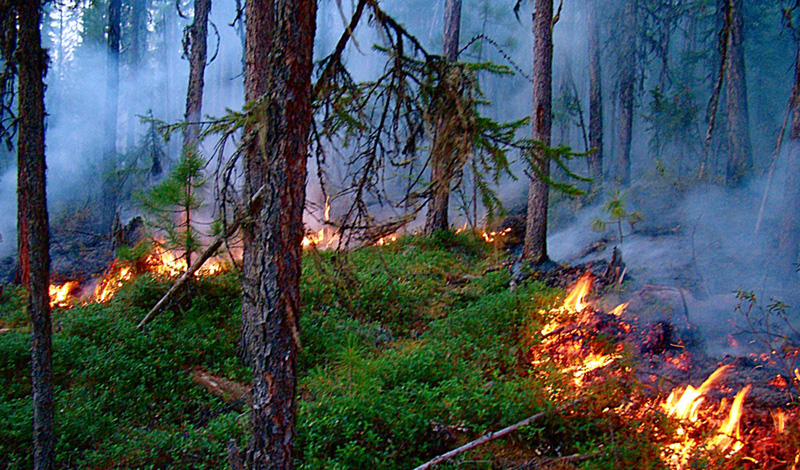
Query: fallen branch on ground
[198, 263]
[489, 437]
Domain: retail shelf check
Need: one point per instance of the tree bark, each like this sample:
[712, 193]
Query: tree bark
[30, 147]
[790, 223]
[278, 65]
[198, 37]
[138, 30]
[535, 248]
[627, 84]
[740, 153]
[441, 173]
[595, 97]
[109, 164]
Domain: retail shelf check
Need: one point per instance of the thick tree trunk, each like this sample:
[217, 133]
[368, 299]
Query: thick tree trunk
[441, 173]
[535, 248]
[595, 97]
[198, 37]
[280, 44]
[32, 68]
[109, 165]
[627, 84]
[790, 223]
[740, 156]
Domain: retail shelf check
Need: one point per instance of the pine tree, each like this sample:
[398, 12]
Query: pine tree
[170, 206]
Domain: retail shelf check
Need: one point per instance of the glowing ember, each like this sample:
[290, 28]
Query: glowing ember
[576, 299]
[60, 295]
[589, 364]
[490, 237]
[386, 240]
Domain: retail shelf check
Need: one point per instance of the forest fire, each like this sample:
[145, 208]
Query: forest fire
[570, 341]
[62, 295]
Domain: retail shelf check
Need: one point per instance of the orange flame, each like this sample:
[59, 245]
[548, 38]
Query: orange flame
[779, 420]
[728, 435]
[684, 404]
[60, 295]
[576, 299]
[490, 237]
[386, 240]
[111, 282]
[619, 309]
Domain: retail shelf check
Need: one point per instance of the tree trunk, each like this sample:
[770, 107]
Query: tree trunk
[627, 84]
[30, 148]
[790, 222]
[535, 248]
[595, 97]
[278, 57]
[109, 164]
[198, 37]
[740, 156]
[437, 217]
[138, 30]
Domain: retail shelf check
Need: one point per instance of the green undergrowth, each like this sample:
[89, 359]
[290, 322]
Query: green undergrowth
[408, 350]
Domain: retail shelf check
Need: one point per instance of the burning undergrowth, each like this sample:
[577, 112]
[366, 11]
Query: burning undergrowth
[733, 417]
[155, 261]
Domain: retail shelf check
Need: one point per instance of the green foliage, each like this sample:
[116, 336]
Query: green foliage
[617, 213]
[535, 153]
[124, 397]
[170, 205]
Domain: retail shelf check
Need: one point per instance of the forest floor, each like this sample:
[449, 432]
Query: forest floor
[408, 350]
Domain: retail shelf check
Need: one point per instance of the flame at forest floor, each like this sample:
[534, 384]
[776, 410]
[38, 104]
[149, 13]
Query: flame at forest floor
[586, 345]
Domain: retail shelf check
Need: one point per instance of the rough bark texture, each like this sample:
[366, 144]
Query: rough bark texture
[790, 223]
[278, 61]
[198, 37]
[437, 217]
[627, 84]
[740, 153]
[535, 248]
[595, 97]
[30, 148]
[109, 186]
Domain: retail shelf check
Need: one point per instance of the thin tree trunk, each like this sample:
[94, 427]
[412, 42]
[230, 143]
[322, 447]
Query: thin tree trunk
[32, 68]
[595, 97]
[198, 37]
[627, 84]
[441, 172]
[109, 165]
[138, 39]
[280, 44]
[790, 222]
[535, 248]
[740, 156]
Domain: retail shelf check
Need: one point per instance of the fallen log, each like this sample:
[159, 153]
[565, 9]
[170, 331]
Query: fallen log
[488, 438]
[198, 263]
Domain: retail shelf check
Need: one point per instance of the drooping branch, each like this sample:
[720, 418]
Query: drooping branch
[205, 256]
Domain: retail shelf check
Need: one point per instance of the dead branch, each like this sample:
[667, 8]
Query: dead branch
[489, 437]
[208, 253]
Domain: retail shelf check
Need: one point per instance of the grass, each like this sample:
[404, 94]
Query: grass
[408, 351]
